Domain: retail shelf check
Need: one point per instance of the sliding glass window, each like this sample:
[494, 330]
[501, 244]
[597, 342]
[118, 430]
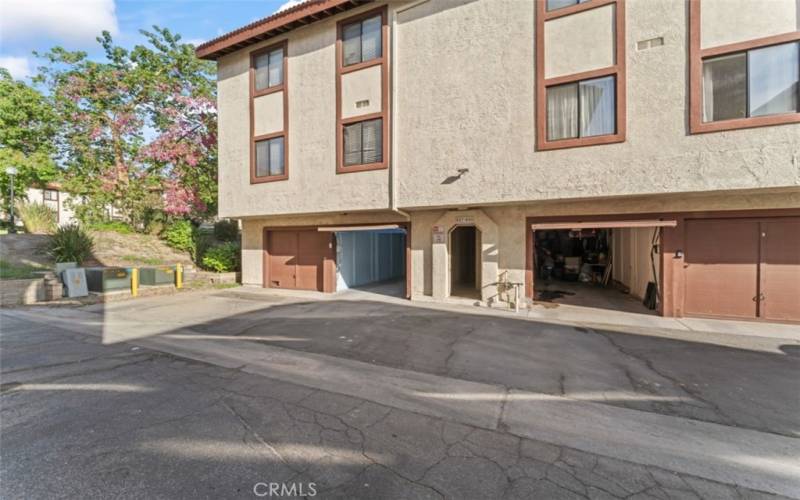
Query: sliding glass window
[581, 109]
[759, 82]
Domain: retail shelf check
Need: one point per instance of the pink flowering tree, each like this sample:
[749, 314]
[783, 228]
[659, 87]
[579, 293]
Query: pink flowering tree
[138, 130]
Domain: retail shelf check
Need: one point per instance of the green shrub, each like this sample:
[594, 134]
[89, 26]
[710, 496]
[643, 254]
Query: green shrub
[70, 244]
[181, 236]
[113, 226]
[37, 218]
[226, 230]
[222, 258]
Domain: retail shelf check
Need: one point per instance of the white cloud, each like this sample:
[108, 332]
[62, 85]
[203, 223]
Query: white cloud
[288, 5]
[19, 67]
[195, 41]
[72, 22]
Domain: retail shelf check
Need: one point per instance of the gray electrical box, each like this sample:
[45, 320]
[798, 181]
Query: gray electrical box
[75, 281]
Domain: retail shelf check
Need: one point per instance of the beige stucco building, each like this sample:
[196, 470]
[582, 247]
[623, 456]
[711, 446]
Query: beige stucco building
[484, 148]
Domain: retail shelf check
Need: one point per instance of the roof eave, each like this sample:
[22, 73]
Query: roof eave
[274, 25]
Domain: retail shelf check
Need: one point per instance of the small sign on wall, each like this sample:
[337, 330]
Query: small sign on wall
[438, 234]
[465, 219]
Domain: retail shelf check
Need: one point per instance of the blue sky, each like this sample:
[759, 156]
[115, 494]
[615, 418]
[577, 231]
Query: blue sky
[28, 25]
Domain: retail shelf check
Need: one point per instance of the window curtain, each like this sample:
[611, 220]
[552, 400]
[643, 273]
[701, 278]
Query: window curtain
[276, 67]
[562, 112]
[352, 144]
[351, 43]
[262, 158]
[262, 71]
[597, 105]
[773, 78]
[276, 164]
[372, 141]
[725, 88]
[371, 38]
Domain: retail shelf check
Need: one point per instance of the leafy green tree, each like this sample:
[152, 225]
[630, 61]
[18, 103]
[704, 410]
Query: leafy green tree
[138, 130]
[27, 131]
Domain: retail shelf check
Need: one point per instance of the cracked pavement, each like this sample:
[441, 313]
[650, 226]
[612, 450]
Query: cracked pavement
[752, 384]
[82, 419]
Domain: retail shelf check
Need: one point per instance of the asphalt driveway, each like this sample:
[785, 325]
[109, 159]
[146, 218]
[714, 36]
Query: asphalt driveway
[748, 382]
[86, 420]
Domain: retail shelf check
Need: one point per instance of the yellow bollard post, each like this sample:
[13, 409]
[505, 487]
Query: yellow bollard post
[178, 276]
[135, 282]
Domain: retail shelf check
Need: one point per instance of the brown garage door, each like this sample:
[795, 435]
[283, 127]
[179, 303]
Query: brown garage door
[297, 259]
[780, 269]
[743, 268]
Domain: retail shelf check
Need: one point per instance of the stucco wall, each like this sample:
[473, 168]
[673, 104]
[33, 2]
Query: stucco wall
[731, 21]
[580, 42]
[464, 98]
[362, 85]
[313, 185]
[268, 113]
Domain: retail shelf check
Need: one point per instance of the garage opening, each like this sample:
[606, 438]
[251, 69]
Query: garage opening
[602, 267]
[371, 260]
[465, 271]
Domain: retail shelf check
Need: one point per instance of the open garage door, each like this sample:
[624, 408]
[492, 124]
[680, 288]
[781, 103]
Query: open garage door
[372, 258]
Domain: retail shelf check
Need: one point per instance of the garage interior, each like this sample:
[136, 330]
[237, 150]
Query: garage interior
[600, 267]
[465, 263]
[372, 259]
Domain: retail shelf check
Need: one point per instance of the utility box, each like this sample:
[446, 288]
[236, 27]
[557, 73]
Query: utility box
[108, 279]
[162, 275]
[75, 281]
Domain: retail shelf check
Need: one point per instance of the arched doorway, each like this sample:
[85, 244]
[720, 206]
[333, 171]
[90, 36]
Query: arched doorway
[465, 263]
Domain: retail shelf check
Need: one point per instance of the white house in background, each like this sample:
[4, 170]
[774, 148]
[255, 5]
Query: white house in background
[52, 195]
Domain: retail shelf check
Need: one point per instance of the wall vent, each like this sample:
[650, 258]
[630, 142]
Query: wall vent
[650, 43]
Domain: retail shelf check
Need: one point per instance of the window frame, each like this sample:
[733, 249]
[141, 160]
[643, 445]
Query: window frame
[255, 152]
[577, 84]
[384, 114]
[362, 120]
[618, 71]
[360, 21]
[696, 57]
[282, 87]
[271, 88]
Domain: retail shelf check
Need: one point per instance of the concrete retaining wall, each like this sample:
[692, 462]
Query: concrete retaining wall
[16, 292]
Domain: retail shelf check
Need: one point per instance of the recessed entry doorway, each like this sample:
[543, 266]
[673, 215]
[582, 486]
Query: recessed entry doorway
[465, 262]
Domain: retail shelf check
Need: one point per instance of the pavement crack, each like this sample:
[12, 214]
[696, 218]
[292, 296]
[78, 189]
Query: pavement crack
[676, 382]
[246, 425]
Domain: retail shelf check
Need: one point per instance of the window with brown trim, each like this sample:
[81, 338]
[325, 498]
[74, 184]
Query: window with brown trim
[747, 84]
[758, 82]
[269, 152]
[268, 68]
[586, 108]
[50, 195]
[362, 141]
[270, 157]
[581, 109]
[361, 40]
